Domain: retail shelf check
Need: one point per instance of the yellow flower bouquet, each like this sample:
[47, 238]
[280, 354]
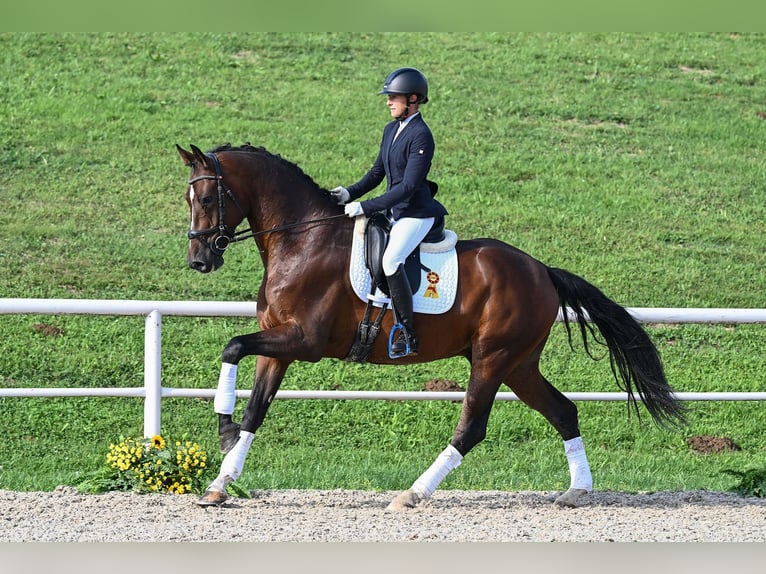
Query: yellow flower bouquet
[152, 465]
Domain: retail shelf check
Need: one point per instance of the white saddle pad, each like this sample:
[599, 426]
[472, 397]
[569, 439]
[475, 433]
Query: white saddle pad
[437, 287]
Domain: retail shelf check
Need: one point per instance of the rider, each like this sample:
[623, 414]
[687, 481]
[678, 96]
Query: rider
[404, 159]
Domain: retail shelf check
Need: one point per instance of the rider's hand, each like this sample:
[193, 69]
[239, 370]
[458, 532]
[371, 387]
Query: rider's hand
[341, 195]
[354, 208]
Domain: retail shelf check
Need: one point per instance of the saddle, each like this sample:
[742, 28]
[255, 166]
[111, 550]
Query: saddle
[376, 236]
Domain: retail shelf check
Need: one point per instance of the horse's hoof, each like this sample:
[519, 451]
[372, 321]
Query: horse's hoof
[228, 436]
[407, 499]
[212, 498]
[570, 497]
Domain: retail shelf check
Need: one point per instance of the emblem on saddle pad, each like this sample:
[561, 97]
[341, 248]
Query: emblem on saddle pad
[439, 261]
[433, 279]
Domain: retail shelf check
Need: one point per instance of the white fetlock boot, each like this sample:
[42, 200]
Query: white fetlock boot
[581, 481]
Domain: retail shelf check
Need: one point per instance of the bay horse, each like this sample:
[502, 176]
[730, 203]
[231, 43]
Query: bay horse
[504, 308]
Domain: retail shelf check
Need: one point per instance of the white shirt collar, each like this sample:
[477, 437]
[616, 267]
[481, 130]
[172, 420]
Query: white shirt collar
[403, 124]
[405, 121]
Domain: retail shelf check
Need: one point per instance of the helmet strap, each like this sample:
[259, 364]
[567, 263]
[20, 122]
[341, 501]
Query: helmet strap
[406, 113]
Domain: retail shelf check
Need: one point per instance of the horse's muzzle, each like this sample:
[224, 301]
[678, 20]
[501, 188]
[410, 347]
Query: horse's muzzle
[200, 266]
[204, 260]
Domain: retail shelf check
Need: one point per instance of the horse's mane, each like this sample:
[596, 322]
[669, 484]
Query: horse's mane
[260, 150]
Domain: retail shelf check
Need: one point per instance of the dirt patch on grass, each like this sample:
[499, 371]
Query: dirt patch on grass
[706, 444]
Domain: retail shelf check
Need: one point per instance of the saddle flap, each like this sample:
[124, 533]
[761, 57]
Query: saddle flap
[375, 242]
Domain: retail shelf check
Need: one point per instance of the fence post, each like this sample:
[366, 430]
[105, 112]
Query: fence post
[152, 373]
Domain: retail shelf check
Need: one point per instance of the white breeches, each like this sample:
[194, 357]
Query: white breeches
[406, 234]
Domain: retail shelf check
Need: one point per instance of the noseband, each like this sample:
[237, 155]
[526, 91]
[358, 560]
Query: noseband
[227, 235]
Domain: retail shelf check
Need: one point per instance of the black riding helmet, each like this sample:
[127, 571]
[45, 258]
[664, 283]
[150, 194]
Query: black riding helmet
[406, 81]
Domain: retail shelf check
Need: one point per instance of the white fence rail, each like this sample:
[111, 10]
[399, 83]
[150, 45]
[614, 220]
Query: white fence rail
[153, 392]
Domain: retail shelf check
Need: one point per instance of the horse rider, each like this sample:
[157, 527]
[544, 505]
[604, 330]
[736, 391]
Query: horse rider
[404, 159]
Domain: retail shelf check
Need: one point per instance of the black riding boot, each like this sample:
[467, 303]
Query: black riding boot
[401, 297]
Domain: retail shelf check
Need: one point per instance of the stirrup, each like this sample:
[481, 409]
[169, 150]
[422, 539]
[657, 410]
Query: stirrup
[392, 338]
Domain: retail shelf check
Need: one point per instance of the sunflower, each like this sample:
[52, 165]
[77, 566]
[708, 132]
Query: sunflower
[158, 442]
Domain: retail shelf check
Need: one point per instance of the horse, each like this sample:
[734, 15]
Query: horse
[505, 305]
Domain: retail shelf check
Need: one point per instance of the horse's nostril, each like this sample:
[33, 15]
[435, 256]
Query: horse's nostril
[197, 265]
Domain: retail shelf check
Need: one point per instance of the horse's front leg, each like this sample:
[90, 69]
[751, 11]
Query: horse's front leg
[277, 342]
[268, 376]
[276, 349]
[223, 404]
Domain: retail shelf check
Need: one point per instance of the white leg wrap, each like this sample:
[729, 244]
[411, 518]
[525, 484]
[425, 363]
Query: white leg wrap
[448, 460]
[234, 461]
[226, 394]
[579, 469]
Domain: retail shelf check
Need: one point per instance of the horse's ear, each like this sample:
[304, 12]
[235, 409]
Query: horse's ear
[186, 156]
[193, 156]
[199, 156]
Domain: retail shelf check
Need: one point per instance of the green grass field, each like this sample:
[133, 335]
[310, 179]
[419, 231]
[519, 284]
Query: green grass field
[633, 160]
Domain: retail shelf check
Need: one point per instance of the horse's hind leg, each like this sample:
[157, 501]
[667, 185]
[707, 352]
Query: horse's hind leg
[536, 392]
[470, 431]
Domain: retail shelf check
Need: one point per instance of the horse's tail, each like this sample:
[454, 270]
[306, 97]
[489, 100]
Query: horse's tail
[634, 359]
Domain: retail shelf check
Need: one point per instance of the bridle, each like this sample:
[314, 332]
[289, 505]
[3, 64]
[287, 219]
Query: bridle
[227, 235]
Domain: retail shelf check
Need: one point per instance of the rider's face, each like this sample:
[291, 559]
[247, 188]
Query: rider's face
[397, 104]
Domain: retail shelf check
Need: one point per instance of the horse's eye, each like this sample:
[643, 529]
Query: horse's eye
[206, 201]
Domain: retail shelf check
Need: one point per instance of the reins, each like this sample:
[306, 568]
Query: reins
[227, 235]
[282, 227]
